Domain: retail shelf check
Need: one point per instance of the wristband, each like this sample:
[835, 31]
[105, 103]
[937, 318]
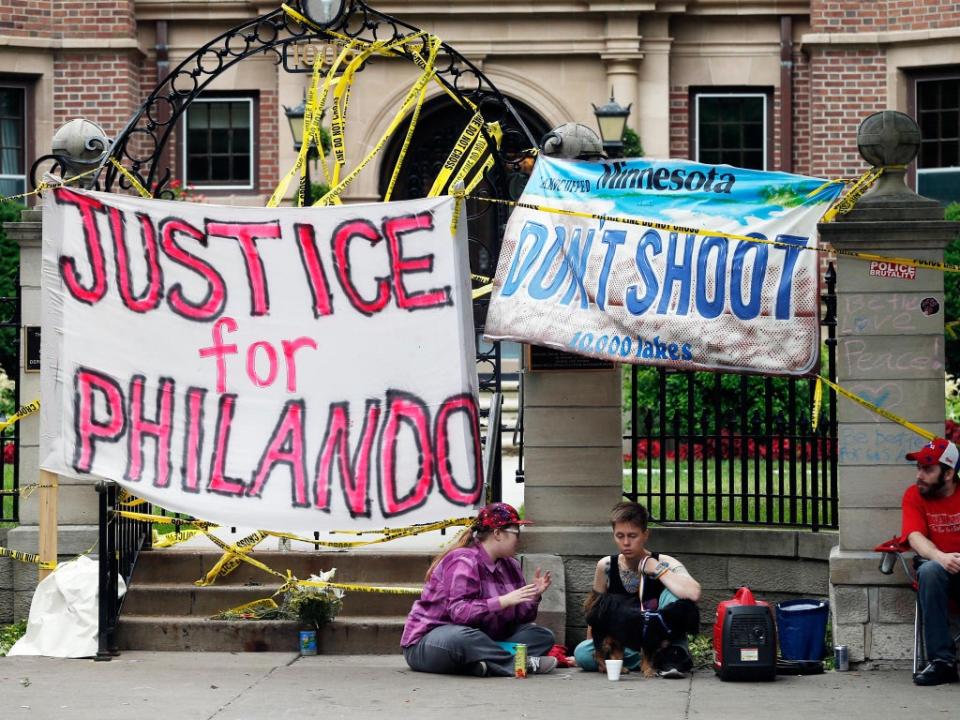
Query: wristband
[660, 569]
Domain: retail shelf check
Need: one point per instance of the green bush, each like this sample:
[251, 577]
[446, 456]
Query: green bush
[631, 144]
[706, 395]
[951, 295]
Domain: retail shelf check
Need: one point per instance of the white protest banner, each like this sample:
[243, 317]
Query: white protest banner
[663, 295]
[286, 369]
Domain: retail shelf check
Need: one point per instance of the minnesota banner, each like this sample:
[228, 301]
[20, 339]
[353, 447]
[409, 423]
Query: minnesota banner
[286, 369]
[666, 287]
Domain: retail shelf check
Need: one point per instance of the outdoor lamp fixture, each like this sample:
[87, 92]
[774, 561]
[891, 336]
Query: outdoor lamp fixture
[295, 118]
[612, 121]
[323, 12]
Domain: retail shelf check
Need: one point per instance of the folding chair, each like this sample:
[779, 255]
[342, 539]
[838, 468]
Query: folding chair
[890, 552]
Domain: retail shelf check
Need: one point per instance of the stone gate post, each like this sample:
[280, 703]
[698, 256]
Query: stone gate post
[890, 352]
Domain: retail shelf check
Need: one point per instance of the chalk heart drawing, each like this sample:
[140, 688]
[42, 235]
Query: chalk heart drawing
[878, 397]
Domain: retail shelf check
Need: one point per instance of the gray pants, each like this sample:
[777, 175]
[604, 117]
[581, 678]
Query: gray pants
[457, 650]
[937, 586]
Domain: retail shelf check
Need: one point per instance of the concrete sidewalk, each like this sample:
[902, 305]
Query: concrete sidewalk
[274, 686]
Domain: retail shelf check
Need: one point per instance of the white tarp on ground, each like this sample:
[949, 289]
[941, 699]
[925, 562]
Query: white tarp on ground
[64, 618]
[287, 369]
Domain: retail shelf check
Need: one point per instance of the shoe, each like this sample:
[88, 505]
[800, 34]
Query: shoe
[937, 672]
[479, 669]
[541, 665]
[671, 673]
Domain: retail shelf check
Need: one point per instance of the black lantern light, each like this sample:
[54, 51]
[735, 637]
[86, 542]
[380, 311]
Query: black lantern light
[295, 117]
[612, 121]
[323, 12]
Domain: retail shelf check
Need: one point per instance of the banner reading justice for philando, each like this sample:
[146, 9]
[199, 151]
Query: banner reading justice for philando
[637, 294]
[285, 369]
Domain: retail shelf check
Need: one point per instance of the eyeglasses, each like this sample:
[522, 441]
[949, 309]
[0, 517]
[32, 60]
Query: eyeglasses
[512, 532]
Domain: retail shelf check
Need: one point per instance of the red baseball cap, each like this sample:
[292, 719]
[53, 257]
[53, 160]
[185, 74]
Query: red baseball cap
[498, 515]
[939, 451]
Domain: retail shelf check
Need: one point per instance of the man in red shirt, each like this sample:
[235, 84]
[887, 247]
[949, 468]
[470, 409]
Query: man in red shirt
[931, 524]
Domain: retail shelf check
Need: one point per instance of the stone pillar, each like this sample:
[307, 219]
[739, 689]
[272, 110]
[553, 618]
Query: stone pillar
[890, 353]
[77, 508]
[622, 57]
[651, 114]
[573, 461]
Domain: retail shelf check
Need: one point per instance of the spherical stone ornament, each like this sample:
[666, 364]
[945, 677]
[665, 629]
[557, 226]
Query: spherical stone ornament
[80, 140]
[572, 140]
[888, 138]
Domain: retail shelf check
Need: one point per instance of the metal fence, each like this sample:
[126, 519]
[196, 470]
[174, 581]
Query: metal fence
[10, 437]
[727, 448]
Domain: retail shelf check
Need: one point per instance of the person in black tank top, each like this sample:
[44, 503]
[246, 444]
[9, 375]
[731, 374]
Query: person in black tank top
[642, 596]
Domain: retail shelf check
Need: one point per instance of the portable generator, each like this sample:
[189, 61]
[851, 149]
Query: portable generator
[745, 639]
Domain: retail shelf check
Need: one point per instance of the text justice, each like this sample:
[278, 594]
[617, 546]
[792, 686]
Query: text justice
[171, 237]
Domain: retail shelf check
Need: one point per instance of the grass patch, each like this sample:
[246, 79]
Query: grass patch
[734, 492]
[9, 634]
[6, 508]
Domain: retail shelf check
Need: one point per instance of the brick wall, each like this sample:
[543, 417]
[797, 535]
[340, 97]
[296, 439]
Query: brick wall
[27, 18]
[876, 15]
[268, 134]
[101, 86]
[95, 18]
[846, 85]
[679, 121]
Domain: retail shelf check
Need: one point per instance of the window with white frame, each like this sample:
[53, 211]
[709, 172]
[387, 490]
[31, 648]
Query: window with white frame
[218, 143]
[13, 174]
[730, 128]
[938, 115]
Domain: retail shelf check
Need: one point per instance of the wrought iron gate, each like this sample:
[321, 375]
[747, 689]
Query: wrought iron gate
[725, 448]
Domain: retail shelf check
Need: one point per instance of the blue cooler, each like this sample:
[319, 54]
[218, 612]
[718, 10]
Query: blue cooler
[801, 627]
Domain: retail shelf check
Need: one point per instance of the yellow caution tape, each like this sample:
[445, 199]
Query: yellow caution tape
[131, 178]
[361, 587]
[482, 291]
[252, 607]
[817, 403]
[405, 107]
[230, 560]
[172, 538]
[27, 558]
[23, 492]
[24, 411]
[44, 185]
[461, 147]
[668, 227]
[880, 411]
[175, 521]
[406, 144]
[472, 166]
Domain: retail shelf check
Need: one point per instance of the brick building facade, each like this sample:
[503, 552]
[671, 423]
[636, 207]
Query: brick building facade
[780, 85]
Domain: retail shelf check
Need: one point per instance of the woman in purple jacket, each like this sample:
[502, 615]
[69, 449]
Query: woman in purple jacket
[475, 601]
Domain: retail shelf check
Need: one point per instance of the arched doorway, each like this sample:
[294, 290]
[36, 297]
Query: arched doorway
[440, 124]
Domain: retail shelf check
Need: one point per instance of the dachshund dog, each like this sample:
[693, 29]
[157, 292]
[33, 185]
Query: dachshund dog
[617, 622]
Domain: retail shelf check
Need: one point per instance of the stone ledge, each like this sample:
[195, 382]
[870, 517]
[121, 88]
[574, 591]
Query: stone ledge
[597, 540]
[862, 567]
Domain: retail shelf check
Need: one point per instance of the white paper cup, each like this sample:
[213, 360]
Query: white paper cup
[613, 669]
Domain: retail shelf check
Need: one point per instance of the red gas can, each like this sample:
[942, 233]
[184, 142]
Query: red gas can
[745, 639]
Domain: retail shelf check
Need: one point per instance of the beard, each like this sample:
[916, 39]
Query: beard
[929, 491]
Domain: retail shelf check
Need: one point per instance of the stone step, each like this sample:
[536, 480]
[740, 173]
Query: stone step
[185, 599]
[173, 566]
[345, 636]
